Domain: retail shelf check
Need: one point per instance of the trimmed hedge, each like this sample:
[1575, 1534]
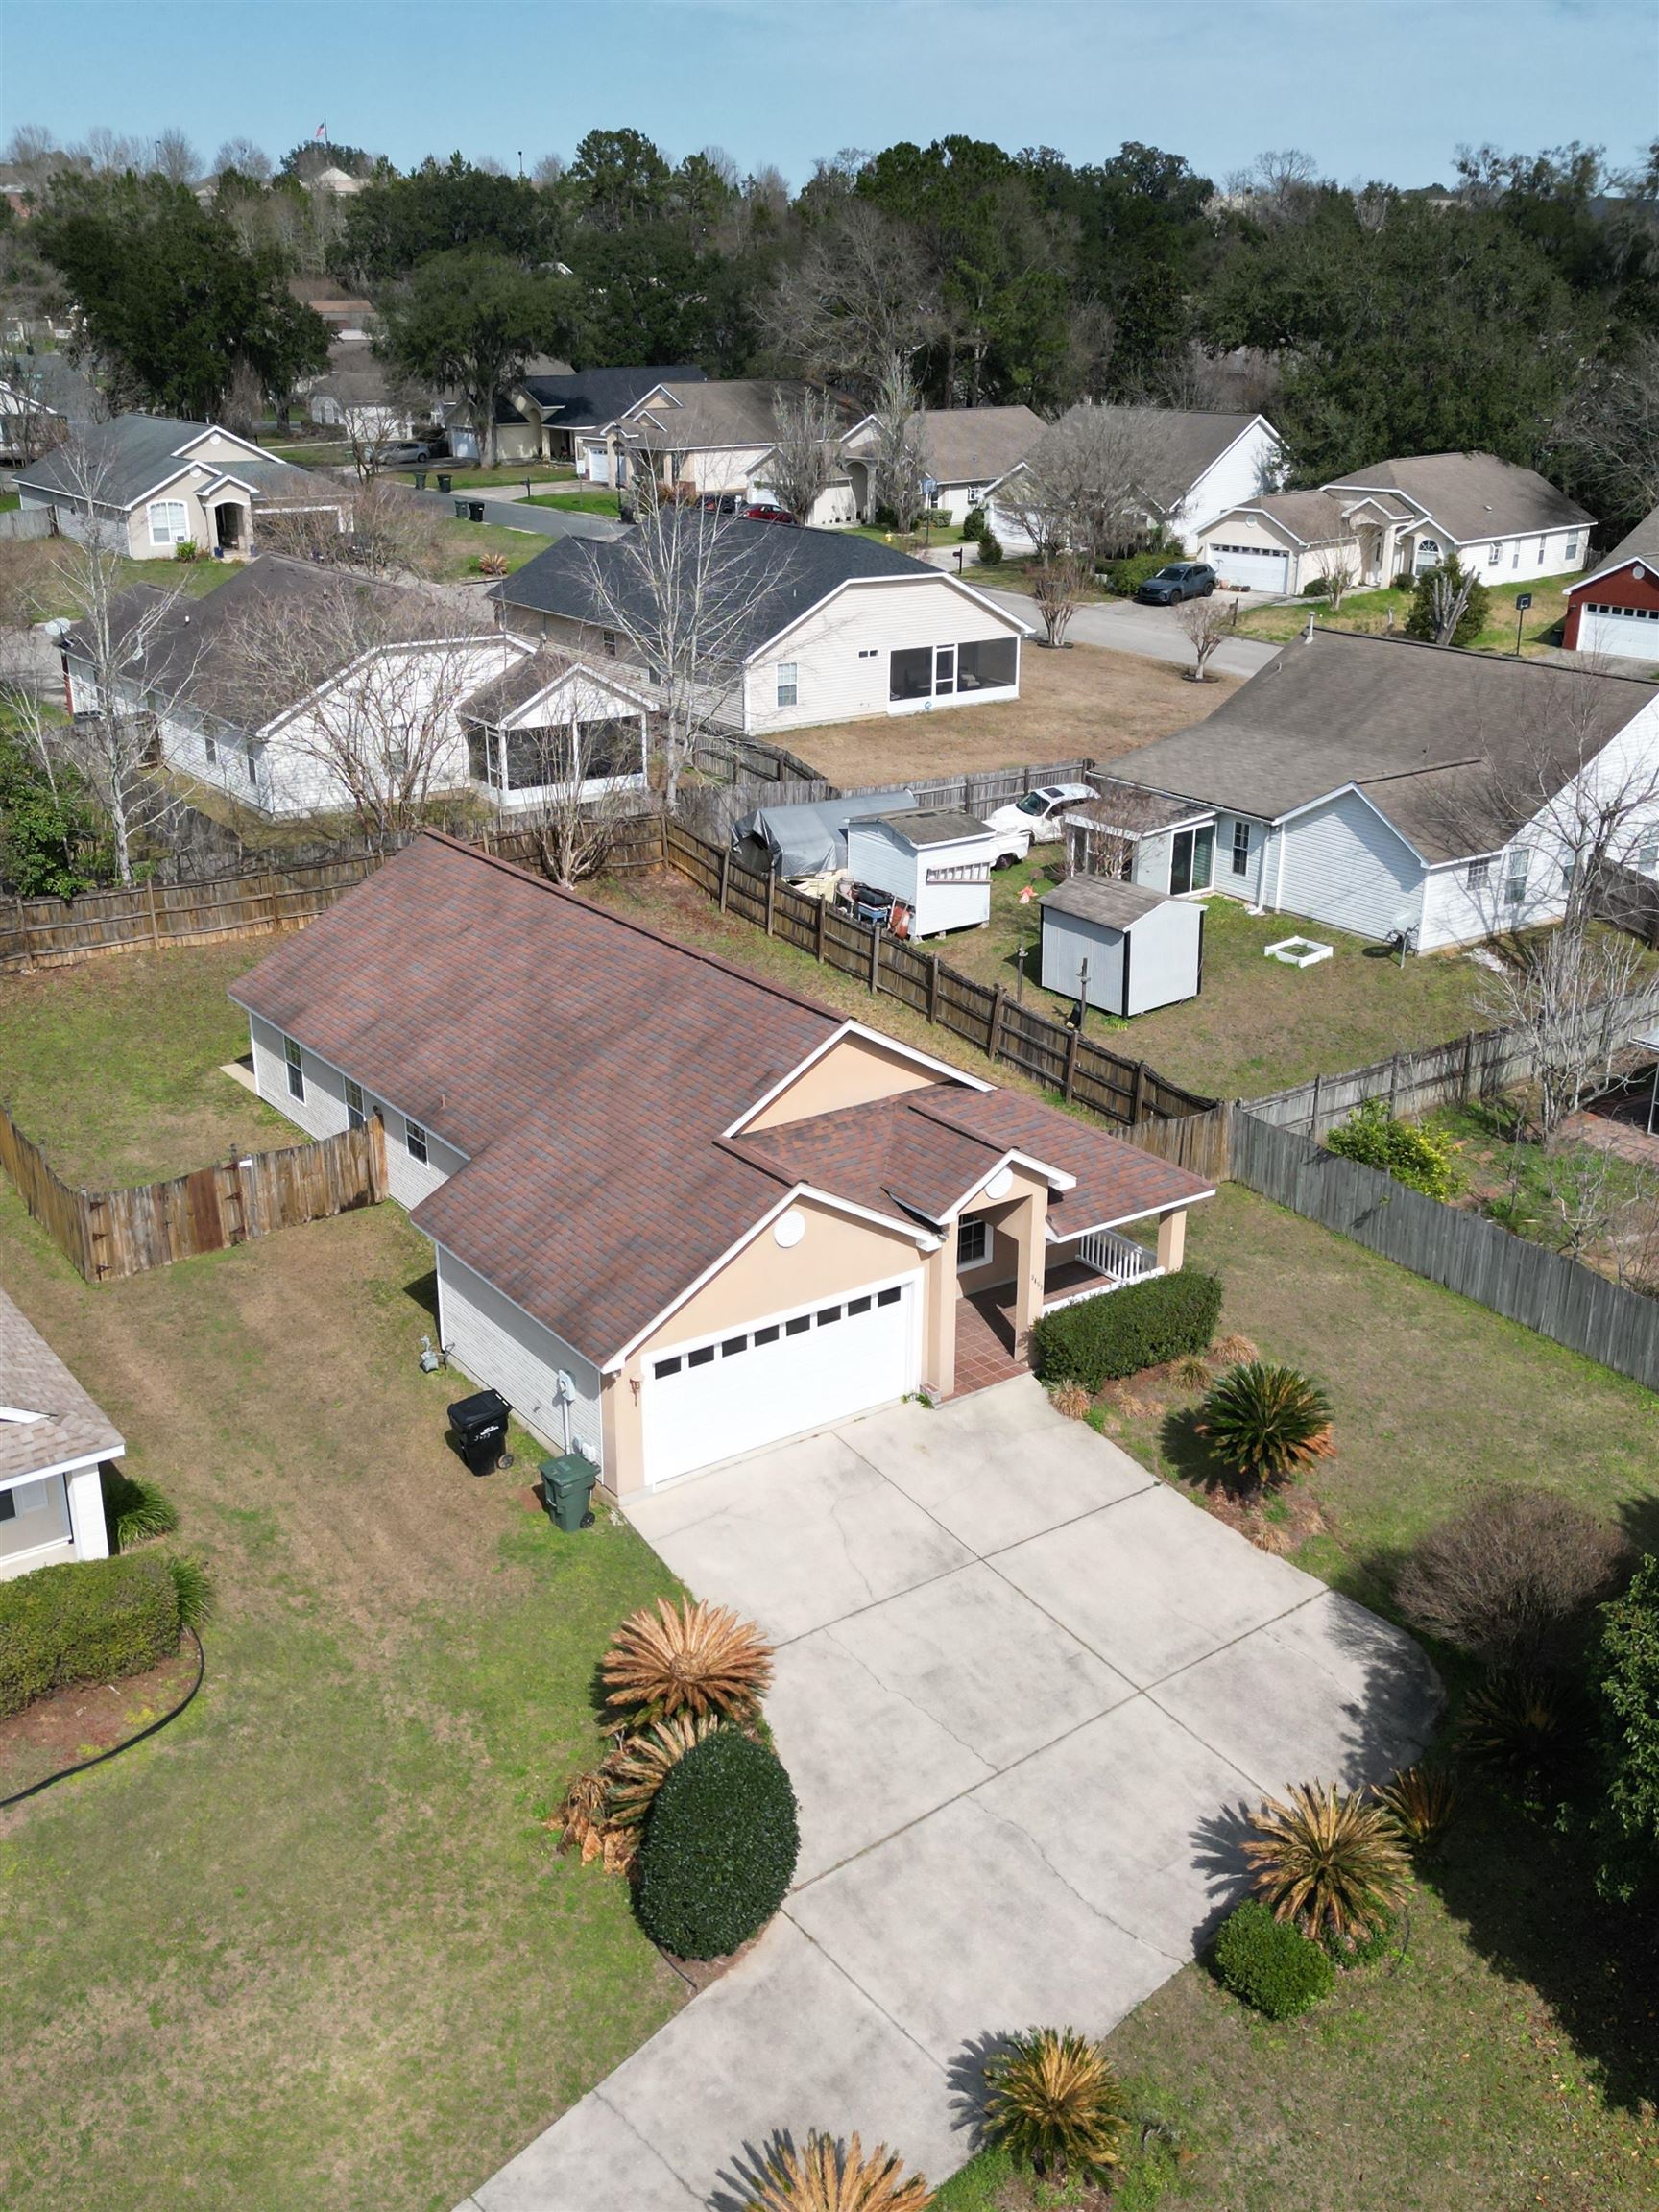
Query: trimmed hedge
[1101, 1339]
[1126, 577]
[1271, 1964]
[87, 1621]
[720, 1847]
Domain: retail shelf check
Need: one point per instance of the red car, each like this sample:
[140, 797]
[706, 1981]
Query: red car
[769, 514]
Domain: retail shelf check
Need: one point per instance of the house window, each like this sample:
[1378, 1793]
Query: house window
[355, 1114]
[910, 672]
[251, 765]
[607, 639]
[988, 665]
[973, 1241]
[1572, 548]
[1494, 554]
[296, 1072]
[415, 1138]
[788, 691]
[1515, 879]
[1241, 847]
[1542, 543]
[168, 525]
[929, 672]
[1477, 874]
[1648, 851]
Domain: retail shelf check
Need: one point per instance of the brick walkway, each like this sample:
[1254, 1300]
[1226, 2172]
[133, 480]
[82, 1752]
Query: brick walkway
[985, 1351]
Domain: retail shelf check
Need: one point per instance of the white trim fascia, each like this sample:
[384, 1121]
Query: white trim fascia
[923, 1239]
[1649, 565]
[156, 489]
[858, 583]
[1229, 447]
[73, 1466]
[217, 430]
[1299, 544]
[1056, 1178]
[580, 671]
[1338, 791]
[1123, 1220]
[837, 1036]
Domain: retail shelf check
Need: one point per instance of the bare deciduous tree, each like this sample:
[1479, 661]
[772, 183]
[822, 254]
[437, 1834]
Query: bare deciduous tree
[1204, 623]
[391, 534]
[584, 770]
[1448, 595]
[804, 455]
[110, 741]
[1338, 564]
[898, 466]
[32, 426]
[1608, 433]
[1104, 842]
[176, 159]
[681, 591]
[861, 292]
[246, 158]
[1095, 484]
[1057, 584]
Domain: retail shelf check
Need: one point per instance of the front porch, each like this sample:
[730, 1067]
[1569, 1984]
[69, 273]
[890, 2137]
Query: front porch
[988, 1350]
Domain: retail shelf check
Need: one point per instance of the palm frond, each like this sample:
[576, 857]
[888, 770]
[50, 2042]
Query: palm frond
[688, 1658]
[1328, 1861]
[833, 2177]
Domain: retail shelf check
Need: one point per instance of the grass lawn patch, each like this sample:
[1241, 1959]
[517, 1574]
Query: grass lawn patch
[1085, 702]
[1369, 612]
[33, 575]
[112, 1066]
[312, 1946]
[584, 502]
[462, 542]
[1257, 1025]
[507, 477]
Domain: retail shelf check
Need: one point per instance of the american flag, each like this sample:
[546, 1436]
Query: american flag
[320, 136]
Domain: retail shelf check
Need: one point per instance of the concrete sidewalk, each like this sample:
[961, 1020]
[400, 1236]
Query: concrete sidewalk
[1027, 1694]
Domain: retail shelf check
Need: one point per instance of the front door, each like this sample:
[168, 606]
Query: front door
[1191, 859]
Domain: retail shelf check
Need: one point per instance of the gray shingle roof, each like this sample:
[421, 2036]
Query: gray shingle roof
[1642, 544]
[1474, 495]
[121, 461]
[1102, 898]
[1430, 735]
[1182, 441]
[34, 1380]
[787, 571]
[589, 398]
[976, 444]
[932, 826]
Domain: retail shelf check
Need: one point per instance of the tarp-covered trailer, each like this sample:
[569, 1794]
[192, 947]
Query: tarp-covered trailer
[809, 838]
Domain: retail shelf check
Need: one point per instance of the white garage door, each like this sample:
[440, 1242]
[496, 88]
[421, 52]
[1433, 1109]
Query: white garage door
[1621, 632]
[1251, 564]
[721, 1396]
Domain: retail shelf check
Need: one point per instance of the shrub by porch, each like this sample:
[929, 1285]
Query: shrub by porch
[87, 1621]
[1101, 1339]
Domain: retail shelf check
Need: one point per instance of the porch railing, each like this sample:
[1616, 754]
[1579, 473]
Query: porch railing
[1116, 1262]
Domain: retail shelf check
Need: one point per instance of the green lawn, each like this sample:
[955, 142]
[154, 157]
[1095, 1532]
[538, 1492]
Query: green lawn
[597, 501]
[312, 1947]
[1257, 1025]
[1370, 610]
[465, 477]
[51, 592]
[464, 542]
[8, 502]
[112, 1066]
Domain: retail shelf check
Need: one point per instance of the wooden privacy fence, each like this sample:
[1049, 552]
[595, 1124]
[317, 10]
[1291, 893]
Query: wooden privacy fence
[52, 932]
[110, 1234]
[1128, 1092]
[1557, 1297]
[1478, 1065]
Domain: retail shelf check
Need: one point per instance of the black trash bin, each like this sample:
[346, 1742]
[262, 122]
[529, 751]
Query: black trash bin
[444, 483]
[480, 1425]
[474, 510]
[419, 479]
[567, 1485]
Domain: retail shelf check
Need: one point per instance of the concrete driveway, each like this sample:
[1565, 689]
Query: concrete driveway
[1025, 1694]
[1151, 630]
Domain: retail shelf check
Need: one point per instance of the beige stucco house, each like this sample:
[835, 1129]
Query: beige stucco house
[151, 483]
[674, 1204]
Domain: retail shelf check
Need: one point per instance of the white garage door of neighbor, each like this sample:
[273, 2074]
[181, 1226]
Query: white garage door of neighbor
[726, 1395]
[1250, 564]
[1622, 636]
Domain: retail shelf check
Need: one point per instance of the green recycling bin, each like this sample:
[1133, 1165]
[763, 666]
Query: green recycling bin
[567, 1485]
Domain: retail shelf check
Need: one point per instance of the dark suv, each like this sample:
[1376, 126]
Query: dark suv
[1179, 579]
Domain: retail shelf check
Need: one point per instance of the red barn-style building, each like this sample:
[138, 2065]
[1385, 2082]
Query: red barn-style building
[1614, 610]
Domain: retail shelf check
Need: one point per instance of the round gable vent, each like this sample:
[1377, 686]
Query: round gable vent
[1638, 573]
[1000, 1184]
[790, 1228]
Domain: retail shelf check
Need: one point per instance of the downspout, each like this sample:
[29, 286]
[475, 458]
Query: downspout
[1278, 874]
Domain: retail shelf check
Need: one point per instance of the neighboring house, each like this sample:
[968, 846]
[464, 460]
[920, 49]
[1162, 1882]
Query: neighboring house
[336, 183]
[726, 1214]
[53, 1442]
[1390, 522]
[967, 451]
[468, 706]
[42, 397]
[155, 483]
[837, 626]
[347, 313]
[1378, 784]
[572, 409]
[1200, 465]
[1615, 611]
[713, 438]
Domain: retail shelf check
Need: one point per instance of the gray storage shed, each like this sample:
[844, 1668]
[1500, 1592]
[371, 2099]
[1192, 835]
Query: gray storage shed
[1143, 948]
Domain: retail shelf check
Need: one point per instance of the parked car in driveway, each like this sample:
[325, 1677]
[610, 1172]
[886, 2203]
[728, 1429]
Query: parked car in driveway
[401, 453]
[1039, 812]
[1178, 579]
[769, 514]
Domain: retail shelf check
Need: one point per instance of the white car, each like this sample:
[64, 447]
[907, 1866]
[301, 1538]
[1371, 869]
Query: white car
[1039, 814]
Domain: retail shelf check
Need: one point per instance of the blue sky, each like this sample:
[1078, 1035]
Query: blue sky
[1370, 90]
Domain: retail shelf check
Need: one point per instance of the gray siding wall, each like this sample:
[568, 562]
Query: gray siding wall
[322, 1113]
[1248, 886]
[1068, 940]
[1163, 956]
[501, 1348]
[1345, 866]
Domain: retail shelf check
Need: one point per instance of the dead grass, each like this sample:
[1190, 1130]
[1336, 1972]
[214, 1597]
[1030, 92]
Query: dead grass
[1084, 702]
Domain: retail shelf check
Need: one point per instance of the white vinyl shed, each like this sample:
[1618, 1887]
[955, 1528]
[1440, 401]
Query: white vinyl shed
[938, 864]
[1119, 945]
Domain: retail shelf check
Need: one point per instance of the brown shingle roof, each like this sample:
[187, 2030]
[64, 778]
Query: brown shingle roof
[1474, 495]
[587, 1068]
[1114, 1181]
[34, 1380]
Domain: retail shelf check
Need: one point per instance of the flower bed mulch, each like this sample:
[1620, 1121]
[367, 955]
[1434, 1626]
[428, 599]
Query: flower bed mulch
[77, 1723]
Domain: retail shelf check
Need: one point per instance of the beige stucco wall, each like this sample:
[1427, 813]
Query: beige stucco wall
[853, 1071]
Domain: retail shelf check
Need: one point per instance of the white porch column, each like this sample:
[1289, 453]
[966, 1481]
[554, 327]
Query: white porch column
[87, 1524]
[1173, 1241]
